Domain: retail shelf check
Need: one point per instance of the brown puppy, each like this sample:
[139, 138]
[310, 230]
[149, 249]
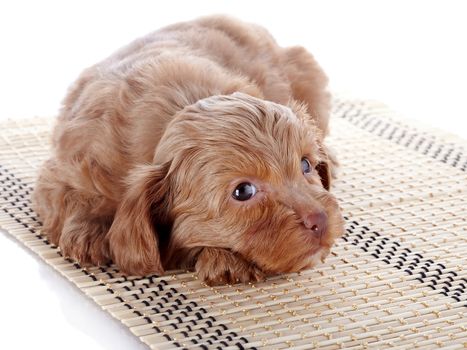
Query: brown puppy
[201, 145]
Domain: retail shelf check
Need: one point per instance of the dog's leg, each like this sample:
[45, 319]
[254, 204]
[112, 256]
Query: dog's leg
[71, 219]
[218, 266]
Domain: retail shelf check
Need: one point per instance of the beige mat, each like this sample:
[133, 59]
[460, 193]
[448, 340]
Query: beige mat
[397, 279]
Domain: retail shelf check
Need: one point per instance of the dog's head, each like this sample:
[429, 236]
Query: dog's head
[233, 172]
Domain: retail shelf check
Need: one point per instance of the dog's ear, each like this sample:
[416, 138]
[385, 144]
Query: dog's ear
[327, 167]
[132, 239]
[325, 174]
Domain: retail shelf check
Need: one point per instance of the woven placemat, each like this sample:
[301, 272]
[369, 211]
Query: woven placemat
[397, 279]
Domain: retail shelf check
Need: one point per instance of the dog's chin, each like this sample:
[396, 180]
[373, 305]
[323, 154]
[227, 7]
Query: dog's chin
[316, 257]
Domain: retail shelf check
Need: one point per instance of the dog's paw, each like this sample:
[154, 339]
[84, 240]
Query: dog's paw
[84, 242]
[217, 266]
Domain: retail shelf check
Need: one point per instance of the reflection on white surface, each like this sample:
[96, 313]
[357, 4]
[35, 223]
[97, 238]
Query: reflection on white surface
[41, 309]
[409, 54]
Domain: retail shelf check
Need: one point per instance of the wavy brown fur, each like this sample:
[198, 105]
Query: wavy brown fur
[151, 142]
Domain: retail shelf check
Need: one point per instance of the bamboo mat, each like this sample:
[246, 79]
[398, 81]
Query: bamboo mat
[397, 279]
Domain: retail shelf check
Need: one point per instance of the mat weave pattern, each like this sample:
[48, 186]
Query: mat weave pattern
[397, 279]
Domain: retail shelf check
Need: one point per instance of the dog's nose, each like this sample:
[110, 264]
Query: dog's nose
[317, 223]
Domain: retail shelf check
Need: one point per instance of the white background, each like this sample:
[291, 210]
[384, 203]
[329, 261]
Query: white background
[409, 54]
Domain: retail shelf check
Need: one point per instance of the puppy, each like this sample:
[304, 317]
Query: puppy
[199, 145]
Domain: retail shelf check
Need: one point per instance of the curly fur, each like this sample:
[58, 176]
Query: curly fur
[151, 142]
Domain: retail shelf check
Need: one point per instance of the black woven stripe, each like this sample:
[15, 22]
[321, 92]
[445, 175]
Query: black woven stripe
[358, 115]
[16, 197]
[397, 255]
[164, 302]
[393, 253]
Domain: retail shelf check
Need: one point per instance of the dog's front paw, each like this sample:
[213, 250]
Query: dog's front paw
[217, 266]
[83, 240]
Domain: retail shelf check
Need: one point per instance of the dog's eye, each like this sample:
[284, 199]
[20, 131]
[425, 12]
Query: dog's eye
[306, 166]
[244, 191]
